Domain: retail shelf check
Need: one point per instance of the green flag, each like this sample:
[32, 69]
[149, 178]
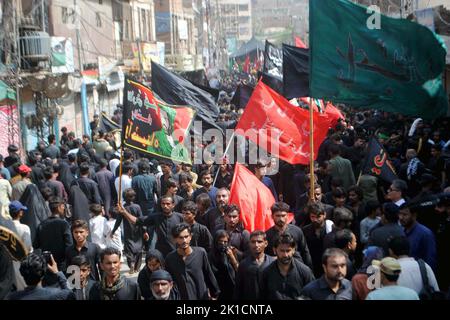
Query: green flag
[153, 126]
[397, 67]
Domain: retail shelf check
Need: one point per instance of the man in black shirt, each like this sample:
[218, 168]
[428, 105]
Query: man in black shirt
[314, 233]
[332, 285]
[33, 269]
[201, 237]
[80, 232]
[113, 285]
[285, 277]
[87, 185]
[250, 269]
[162, 222]
[83, 288]
[280, 217]
[214, 217]
[190, 268]
[52, 151]
[53, 234]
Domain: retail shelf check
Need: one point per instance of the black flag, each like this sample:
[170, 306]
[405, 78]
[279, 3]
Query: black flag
[106, 124]
[295, 72]
[377, 163]
[175, 90]
[242, 95]
[272, 74]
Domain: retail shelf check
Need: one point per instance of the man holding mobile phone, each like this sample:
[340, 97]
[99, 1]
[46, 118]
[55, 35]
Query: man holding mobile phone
[33, 269]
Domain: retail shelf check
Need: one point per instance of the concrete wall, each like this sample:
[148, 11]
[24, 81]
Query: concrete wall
[96, 40]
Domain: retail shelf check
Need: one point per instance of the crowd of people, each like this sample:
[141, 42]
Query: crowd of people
[359, 238]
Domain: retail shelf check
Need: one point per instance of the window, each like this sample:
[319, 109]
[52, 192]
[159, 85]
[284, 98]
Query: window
[64, 15]
[243, 7]
[144, 35]
[98, 20]
[127, 30]
[244, 19]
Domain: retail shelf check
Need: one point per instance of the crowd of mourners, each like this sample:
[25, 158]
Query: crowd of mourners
[360, 237]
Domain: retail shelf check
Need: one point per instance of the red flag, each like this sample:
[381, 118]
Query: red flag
[299, 43]
[246, 67]
[253, 198]
[279, 127]
[313, 102]
[334, 114]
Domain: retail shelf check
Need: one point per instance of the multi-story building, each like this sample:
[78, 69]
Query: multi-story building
[237, 23]
[176, 28]
[135, 27]
[280, 20]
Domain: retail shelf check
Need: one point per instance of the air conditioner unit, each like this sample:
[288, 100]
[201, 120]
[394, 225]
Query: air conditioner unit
[35, 46]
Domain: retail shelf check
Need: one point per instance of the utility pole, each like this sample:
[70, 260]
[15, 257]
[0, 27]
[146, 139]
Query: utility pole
[16, 45]
[141, 67]
[43, 15]
[80, 64]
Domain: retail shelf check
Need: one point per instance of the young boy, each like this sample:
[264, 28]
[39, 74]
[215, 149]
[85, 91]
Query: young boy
[82, 292]
[97, 225]
[80, 232]
[113, 240]
[368, 223]
[201, 237]
[133, 234]
[16, 211]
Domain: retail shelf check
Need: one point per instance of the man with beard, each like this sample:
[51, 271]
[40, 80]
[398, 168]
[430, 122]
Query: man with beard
[190, 267]
[239, 237]
[161, 285]
[421, 239]
[332, 285]
[214, 217]
[285, 278]
[280, 218]
[113, 285]
[250, 269]
[315, 232]
[163, 223]
[207, 182]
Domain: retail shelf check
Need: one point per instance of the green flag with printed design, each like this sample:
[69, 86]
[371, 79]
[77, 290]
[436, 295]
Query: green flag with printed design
[397, 67]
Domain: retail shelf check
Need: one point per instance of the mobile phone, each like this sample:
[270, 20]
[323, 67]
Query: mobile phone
[47, 256]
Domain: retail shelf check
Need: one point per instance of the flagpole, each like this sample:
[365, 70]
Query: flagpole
[119, 202]
[224, 154]
[311, 151]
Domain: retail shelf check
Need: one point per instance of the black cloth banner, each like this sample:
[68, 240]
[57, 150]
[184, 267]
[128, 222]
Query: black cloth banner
[377, 163]
[295, 72]
[175, 90]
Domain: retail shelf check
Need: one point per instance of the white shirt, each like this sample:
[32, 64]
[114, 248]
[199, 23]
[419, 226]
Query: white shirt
[126, 184]
[410, 276]
[24, 233]
[400, 202]
[116, 240]
[97, 227]
[73, 151]
[113, 164]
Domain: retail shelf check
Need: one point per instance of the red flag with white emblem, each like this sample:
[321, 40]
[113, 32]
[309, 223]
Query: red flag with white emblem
[280, 127]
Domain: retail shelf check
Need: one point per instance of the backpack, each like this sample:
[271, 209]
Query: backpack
[427, 292]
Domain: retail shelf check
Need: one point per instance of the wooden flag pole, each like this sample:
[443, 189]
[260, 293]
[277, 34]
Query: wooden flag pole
[119, 202]
[224, 154]
[311, 151]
